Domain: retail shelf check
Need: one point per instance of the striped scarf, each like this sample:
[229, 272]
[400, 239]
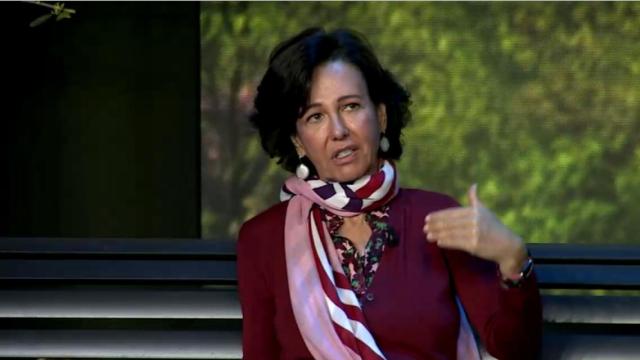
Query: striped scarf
[325, 307]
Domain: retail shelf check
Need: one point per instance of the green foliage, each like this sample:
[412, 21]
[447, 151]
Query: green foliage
[537, 102]
[58, 10]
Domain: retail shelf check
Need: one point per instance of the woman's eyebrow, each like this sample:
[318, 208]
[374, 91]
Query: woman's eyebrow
[341, 98]
[312, 105]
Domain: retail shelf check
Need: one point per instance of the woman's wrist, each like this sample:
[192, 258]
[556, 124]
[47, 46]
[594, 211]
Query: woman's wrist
[512, 265]
[517, 280]
[517, 266]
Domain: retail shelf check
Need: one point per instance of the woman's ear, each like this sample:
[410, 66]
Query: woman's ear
[298, 145]
[382, 117]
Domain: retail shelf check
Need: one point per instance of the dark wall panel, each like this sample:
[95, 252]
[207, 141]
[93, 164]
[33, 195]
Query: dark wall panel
[101, 118]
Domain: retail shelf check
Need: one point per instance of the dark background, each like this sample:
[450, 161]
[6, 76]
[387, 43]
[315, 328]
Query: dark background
[100, 117]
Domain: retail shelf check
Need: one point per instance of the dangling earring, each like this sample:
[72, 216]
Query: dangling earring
[384, 144]
[302, 171]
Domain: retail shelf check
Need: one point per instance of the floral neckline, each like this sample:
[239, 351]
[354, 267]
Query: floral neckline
[361, 268]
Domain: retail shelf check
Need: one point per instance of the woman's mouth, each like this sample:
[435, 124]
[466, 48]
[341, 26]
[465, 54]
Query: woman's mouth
[344, 156]
[344, 153]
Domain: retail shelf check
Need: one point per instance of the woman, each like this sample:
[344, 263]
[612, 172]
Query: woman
[349, 266]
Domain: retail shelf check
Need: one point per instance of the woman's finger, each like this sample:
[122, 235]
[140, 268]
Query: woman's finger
[451, 224]
[461, 242]
[468, 233]
[448, 214]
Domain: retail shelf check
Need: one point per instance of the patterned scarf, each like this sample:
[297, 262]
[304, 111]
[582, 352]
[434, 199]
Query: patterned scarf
[325, 307]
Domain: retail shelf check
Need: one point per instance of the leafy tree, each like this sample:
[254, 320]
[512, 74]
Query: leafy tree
[537, 102]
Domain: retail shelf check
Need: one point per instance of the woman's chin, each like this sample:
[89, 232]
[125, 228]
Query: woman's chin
[346, 175]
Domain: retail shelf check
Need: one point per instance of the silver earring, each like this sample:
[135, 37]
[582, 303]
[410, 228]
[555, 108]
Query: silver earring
[302, 171]
[384, 144]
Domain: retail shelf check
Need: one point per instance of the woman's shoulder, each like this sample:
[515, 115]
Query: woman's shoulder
[429, 200]
[265, 226]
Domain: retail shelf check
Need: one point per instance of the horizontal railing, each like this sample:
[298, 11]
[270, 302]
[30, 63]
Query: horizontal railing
[177, 299]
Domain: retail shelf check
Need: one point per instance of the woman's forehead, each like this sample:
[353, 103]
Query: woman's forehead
[337, 79]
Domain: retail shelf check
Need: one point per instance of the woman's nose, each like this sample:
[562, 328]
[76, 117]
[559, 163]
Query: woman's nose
[339, 127]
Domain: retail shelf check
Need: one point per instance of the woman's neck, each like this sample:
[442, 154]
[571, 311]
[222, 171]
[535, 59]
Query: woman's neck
[356, 229]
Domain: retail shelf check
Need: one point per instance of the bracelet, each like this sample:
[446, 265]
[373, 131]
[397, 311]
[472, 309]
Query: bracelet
[517, 280]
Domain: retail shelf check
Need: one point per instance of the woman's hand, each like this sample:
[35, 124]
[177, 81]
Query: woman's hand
[476, 230]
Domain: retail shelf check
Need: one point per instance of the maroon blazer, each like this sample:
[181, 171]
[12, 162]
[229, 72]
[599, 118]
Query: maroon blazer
[410, 306]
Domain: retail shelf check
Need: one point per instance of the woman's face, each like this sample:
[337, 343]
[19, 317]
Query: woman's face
[340, 129]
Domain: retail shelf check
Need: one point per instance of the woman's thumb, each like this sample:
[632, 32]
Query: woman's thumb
[473, 196]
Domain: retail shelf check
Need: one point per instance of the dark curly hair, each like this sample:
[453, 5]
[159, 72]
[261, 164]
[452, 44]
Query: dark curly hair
[284, 89]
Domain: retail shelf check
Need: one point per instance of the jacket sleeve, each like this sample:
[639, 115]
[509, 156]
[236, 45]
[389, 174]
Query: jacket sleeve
[256, 299]
[508, 320]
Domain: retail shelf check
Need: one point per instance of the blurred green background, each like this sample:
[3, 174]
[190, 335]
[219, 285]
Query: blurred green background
[536, 102]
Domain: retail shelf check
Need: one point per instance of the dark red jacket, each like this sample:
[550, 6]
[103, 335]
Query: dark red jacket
[412, 312]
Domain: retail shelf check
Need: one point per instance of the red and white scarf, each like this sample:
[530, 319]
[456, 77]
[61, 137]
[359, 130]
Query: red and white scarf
[325, 307]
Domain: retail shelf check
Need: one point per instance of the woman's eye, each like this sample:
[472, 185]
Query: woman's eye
[314, 117]
[352, 106]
